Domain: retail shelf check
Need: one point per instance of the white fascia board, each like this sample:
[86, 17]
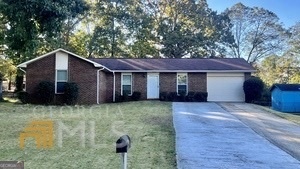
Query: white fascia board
[24, 65]
[187, 71]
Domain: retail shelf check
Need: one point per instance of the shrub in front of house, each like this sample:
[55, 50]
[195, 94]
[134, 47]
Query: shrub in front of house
[23, 97]
[71, 93]
[44, 92]
[122, 98]
[136, 96]
[181, 96]
[190, 97]
[265, 99]
[253, 88]
[172, 96]
[163, 96]
[125, 97]
[200, 97]
[118, 97]
[19, 83]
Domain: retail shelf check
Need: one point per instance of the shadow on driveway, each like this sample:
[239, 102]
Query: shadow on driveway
[207, 136]
[282, 133]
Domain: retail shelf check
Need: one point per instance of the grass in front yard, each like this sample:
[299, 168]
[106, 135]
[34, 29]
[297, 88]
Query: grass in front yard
[89, 134]
[293, 117]
[11, 100]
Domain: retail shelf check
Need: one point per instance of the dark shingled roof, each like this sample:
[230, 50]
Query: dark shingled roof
[286, 87]
[204, 65]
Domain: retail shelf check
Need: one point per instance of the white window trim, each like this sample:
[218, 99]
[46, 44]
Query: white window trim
[122, 74]
[59, 80]
[187, 80]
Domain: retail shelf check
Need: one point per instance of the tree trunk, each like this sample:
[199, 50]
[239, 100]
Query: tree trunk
[9, 82]
[1, 98]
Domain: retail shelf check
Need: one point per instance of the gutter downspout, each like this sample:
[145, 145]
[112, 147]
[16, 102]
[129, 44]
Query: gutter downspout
[23, 78]
[98, 81]
[114, 87]
[22, 70]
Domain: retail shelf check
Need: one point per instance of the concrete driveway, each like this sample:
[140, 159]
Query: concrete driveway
[210, 135]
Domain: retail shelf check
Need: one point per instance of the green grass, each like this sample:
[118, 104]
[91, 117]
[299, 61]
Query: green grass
[293, 117]
[10, 100]
[148, 123]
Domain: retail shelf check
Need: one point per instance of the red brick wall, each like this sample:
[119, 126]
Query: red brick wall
[167, 82]
[41, 70]
[109, 87]
[118, 83]
[85, 75]
[102, 86]
[197, 82]
[140, 84]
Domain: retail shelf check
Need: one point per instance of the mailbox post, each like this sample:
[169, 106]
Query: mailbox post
[122, 146]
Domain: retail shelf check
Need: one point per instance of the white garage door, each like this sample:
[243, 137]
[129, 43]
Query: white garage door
[226, 87]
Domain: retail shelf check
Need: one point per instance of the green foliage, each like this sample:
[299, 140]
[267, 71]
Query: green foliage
[24, 97]
[118, 97]
[29, 23]
[44, 92]
[257, 32]
[190, 96]
[7, 68]
[71, 93]
[136, 96]
[294, 40]
[172, 96]
[1, 77]
[121, 98]
[163, 96]
[253, 88]
[138, 29]
[19, 83]
[279, 69]
[200, 97]
[181, 96]
[191, 28]
[1, 83]
[125, 97]
[123, 29]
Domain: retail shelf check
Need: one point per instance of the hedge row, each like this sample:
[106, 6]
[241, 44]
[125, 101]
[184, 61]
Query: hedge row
[136, 96]
[45, 91]
[182, 97]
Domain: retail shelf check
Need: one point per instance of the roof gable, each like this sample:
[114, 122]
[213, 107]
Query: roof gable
[286, 87]
[169, 65]
[24, 65]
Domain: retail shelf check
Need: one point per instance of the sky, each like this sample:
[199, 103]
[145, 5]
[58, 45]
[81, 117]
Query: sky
[288, 11]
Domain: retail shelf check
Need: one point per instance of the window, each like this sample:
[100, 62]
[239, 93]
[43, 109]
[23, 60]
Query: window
[182, 83]
[126, 84]
[61, 80]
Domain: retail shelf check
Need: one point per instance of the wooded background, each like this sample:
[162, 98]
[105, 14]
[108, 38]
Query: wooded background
[148, 29]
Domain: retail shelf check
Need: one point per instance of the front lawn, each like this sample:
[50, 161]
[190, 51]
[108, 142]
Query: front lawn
[293, 117]
[85, 136]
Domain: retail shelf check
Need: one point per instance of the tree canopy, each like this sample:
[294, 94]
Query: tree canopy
[27, 24]
[257, 32]
[142, 28]
[132, 28]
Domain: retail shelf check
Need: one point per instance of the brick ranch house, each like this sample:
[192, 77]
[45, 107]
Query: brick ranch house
[99, 80]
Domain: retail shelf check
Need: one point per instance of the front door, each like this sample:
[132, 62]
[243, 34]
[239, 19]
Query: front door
[152, 86]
